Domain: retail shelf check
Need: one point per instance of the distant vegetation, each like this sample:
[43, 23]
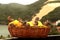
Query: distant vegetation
[53, 15]
[26, 11]
[17, 10]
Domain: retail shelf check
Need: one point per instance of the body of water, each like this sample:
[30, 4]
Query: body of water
[4, 30]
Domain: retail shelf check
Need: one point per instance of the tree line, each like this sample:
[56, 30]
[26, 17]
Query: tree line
[18, 10]
[26, 11]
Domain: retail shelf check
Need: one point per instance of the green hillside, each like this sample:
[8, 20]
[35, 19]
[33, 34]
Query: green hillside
[17, 10]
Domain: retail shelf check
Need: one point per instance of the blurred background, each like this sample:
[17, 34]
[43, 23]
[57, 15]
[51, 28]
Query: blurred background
[44, 9]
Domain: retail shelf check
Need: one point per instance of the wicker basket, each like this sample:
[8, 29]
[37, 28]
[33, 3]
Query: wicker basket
[28, 32]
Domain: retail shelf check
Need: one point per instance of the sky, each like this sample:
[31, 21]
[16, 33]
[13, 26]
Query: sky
[24, 2]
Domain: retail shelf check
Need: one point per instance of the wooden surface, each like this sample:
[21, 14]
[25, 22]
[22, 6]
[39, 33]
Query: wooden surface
[50, 37]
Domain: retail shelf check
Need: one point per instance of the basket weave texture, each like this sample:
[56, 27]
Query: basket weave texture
[28, 32]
